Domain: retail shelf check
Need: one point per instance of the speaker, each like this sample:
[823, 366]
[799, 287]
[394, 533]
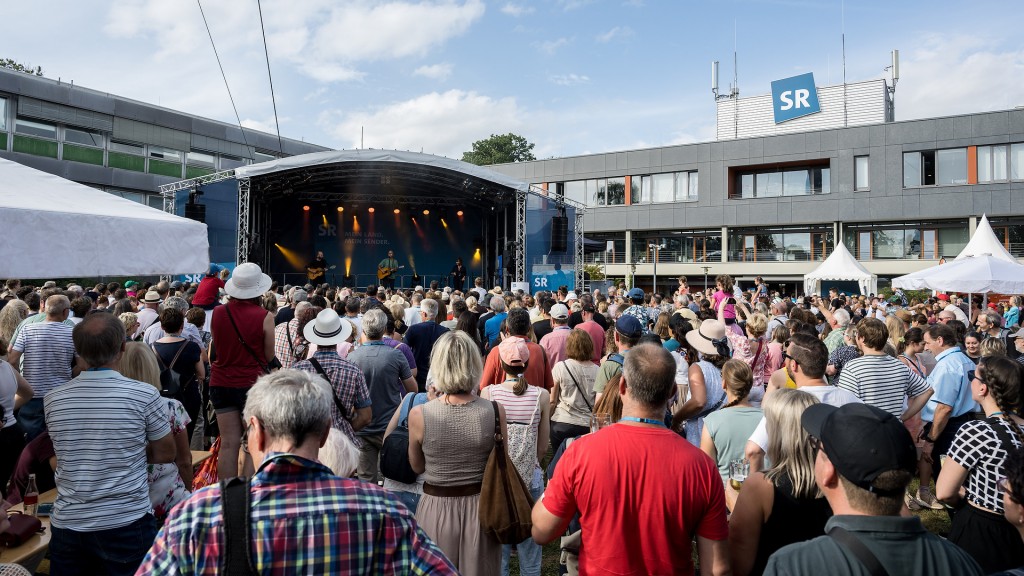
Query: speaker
[559, 233]
[195, 212]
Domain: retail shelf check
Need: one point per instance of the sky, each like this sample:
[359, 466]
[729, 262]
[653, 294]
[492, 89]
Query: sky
[572, 76]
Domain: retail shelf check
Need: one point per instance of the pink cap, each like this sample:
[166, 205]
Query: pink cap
[513, 351]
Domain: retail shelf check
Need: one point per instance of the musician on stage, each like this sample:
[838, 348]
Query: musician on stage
[317, 269]
[458, 275]
[386, 271]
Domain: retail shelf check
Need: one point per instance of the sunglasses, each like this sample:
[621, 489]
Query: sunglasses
[245, 438]
[972, 374]
[787, 356]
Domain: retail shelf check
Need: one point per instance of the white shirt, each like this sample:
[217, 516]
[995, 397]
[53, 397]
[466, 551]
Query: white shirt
[825, 394]
[412, 315]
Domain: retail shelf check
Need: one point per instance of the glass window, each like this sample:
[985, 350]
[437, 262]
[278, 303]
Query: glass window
[952, 166]
[595, 192]
[1017, 161]
[229, 162]
[155, 201]
[795, 183]
[616, 191]
[133, 196]
[682, 185]
[37, 129]
[864, 246]
[797, 246]
[888, 244]
[952, 240]
[747, 186]
[576, 190]
[126, 148]
[911, 169]
[769, 185]
[860, 173]
[691, 193]
[663, 187]
[929, 244]
[821, 181]
[635, 195]
[3, 113]
[261, 157]
[87, 137]
[645, 190]
[202, 158]
[164, 153]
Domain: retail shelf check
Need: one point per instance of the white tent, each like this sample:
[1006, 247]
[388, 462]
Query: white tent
[984, 241]
[841, 266]
[56, 228]
[979, 274]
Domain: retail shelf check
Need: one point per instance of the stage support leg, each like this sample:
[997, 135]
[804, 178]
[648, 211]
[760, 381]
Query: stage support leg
[520, 271]
[242, 243]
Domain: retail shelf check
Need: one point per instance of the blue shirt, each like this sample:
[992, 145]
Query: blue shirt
[493, 326]
[949, 379]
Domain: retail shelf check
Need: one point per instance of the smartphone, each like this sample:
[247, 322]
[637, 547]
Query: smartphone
[44, 508]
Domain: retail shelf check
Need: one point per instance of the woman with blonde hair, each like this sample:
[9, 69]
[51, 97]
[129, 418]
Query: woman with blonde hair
[130, 320]
[992, 347]
[10, 316]
[169, 484]
[897, 332]
[782, 505]
[450, 440]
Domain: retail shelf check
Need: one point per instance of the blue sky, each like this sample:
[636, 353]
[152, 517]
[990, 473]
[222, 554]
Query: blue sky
[573, 76]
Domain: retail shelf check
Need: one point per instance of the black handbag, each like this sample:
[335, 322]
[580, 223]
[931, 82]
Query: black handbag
[394, 453]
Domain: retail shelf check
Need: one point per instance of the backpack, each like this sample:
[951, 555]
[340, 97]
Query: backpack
[170, 379]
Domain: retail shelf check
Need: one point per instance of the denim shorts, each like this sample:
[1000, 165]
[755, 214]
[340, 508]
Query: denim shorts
[226, 399]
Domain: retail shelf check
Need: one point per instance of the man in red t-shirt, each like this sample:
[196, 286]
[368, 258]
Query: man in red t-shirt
[538, 372]
[642, 491]
[209, 289]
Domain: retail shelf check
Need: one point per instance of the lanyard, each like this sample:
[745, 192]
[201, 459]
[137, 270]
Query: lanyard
[642, 420]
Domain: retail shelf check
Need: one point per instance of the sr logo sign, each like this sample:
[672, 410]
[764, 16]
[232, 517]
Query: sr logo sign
[794, 97]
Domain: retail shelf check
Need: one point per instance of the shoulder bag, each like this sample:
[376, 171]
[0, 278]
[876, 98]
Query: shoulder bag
[170, 379]
[859, 549]
[578, 388]
[264, 367]
[505, 500]
[23, 527]
[394, 452]
[236, 500]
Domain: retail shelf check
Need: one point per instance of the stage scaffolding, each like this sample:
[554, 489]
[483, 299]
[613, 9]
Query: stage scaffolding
[250, 216]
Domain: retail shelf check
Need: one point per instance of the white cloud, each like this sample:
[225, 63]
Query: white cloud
[568, 5]
[551, 46]
[435, 71]
[516, 10]
[616, 32]
[439, 123]
[957, 74]
[267, 125]
[568, 79]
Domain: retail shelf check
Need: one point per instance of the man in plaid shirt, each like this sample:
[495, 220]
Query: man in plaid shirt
[288, 345]
[352, 406]
[302, 518]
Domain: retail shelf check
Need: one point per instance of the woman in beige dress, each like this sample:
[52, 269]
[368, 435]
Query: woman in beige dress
[450, 440]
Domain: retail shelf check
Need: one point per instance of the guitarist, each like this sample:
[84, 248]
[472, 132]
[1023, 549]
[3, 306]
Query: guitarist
[389, 264]
[317, 269]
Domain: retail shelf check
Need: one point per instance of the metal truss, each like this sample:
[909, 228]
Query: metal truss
[578, 254]
[520, 271]
[193, 183]
[366, 198]
[242, 243]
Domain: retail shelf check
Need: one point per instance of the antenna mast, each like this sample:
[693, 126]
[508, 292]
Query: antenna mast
[894, 70]
[734, 87]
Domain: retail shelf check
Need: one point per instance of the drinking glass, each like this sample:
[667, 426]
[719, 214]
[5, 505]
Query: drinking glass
[598, 421]
[738, 471]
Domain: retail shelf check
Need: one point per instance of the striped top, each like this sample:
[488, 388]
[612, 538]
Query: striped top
[520, 409]
[48, 354]
[100, 423]
[881, 381]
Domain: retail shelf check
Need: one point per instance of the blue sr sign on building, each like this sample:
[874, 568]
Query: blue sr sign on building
[794, 97]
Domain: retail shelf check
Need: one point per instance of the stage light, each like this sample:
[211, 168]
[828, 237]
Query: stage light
[443, 223]
[426, 212]
[397, 211]
[305, 208]
[459, 213]
[371, 210]
[341, 209]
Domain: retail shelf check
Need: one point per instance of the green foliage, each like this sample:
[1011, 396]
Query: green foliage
[500, 149]
[594, 271]
[10, 64]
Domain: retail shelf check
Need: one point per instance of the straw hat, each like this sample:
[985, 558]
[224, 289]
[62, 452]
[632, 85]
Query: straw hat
[152, 297]
[709, 339]
[247, 281]
[327, 329]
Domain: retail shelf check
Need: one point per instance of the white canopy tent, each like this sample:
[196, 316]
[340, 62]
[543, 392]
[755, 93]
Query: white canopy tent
[56, 228]
[979, 274]
[841, 266]
[983, 266]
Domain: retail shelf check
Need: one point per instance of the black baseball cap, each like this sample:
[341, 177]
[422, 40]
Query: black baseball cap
[862, 442]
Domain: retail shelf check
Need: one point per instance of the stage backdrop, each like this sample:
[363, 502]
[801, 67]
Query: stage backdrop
[355, 241]
[547, 270]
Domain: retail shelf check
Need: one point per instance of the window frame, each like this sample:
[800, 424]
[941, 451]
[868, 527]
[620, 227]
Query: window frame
[858, 186]
[19, 120]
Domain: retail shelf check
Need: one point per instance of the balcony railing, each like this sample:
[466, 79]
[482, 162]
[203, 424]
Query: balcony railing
[750, 255]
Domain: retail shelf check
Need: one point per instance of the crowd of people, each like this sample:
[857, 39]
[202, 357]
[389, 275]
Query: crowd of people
[724, 430]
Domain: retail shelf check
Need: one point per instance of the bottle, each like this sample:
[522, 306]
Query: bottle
[31, 496]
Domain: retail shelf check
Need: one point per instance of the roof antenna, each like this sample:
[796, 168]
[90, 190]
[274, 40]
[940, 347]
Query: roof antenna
[843, 25]
[894, 70]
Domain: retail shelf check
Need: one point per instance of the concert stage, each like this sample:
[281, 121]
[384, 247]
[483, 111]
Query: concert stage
[355, 205]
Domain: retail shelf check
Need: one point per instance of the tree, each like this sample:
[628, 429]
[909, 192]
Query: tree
[500, 149]
[10, 64]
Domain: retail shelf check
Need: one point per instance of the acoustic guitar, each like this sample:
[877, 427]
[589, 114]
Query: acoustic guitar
[383, 272]
[314, 273]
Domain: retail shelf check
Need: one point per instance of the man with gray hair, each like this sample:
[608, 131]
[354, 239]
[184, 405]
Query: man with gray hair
[421, 339]
[493, 325]
[840, 322]
[287, 313]
[294, 516]
[594, 476]
[44, 353]
[779, 309]
[288, 339]
[189, 332]
[389, 378]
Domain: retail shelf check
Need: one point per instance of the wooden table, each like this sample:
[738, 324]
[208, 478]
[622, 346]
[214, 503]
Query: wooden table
[200, 456]
[32, 551]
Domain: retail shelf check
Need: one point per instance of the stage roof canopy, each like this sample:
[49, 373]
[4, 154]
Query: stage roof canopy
[368, 175]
